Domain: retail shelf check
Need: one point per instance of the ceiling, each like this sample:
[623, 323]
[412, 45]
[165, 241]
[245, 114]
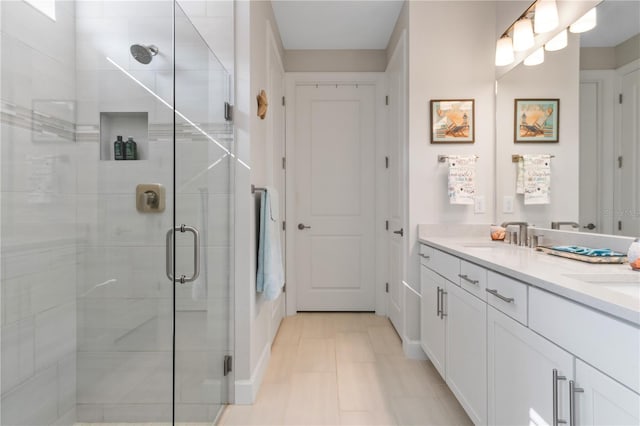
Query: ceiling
[617, 22]
[336, 24]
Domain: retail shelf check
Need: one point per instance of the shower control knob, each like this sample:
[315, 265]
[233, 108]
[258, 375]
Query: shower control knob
[302, 226]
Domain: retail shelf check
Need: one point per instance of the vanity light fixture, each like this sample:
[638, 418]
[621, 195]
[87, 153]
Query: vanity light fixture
[504, 51]
[546, 16]
[522, 35]
[536, 58]
[557, 43]
[585, 23]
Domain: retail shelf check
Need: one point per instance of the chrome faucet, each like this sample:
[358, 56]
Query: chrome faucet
[522, 233]
[557, 225]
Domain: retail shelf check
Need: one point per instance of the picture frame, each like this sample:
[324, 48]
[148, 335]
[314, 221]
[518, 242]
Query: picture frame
[536, 120]
[452, 120]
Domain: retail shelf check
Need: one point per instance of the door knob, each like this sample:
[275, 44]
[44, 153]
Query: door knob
[400, 232]
[302, 226]
[590, 226]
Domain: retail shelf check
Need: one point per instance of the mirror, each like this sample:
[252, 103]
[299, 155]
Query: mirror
[587, 185]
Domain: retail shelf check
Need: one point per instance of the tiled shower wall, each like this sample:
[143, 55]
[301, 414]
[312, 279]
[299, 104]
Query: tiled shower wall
[85, 299]
[39, 202]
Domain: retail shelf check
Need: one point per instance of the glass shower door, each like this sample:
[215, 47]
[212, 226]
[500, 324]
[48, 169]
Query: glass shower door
[203, 146]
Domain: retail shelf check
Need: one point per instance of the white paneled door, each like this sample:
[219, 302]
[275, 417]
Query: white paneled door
[335, 197]
[629, 193]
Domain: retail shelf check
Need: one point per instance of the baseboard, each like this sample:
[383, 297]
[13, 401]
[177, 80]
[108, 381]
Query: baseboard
[412, 349]
[247, 390]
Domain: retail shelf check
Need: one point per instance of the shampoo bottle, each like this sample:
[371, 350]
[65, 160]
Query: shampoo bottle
[130, 149]
[118, 149]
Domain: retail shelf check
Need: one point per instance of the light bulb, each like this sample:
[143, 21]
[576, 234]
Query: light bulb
[546, 16]
[558, 42]
[522, 35]
[536, 58]
[587, 22]
[504, 51]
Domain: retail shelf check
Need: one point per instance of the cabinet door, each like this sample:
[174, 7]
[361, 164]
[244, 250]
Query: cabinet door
[432, 326]
[521, 365]
[467, 351]
[603, 400]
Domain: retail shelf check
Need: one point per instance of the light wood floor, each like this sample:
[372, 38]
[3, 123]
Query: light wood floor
[346, 369]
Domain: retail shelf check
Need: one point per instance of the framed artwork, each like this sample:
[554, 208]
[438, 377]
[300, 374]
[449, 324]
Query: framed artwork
[536, 120]
[452, 121]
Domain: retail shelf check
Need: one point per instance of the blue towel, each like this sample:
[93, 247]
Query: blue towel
[270, 278]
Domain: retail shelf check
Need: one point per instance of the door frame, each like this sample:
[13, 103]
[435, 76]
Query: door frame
[377, 79]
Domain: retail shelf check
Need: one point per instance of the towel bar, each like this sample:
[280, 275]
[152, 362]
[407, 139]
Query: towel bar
[516, 157]
[255, 188]
[444, 158]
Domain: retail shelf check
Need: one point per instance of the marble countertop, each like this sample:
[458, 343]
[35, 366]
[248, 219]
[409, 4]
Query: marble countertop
[552, 273]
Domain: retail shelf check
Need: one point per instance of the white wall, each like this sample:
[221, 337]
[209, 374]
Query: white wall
[451, 56]
[253, 314]
[564, 67]
[335, 60]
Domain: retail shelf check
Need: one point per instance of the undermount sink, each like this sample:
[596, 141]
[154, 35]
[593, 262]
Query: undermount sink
[480, 245]
[627, 283]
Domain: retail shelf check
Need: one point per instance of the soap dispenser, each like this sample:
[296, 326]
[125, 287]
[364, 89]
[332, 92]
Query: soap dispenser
[130, 149]
[118, 149]
[633, 255]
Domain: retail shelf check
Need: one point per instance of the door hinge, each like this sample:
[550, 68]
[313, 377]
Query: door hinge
[284, 163]
[619, 225]
[284, 225]
[284, 287]
[620, 98]
[386, 100]
[386, 162]
[283, 101]
[228, 364]
[228, 111]
[386, 225]
[386, 287]
[620, 162]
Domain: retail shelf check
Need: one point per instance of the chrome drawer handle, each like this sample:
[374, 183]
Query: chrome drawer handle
[555, 377]
[572, 402]
[424, 256]
[469, 280]
[499, 296]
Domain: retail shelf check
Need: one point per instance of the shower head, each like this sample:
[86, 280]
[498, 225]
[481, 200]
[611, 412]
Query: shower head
[143, 53]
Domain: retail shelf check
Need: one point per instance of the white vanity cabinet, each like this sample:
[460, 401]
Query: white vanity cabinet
[453, 334]
[516, 354]
[466, 351]
[600, 400]
[432, 319]
[522, 367]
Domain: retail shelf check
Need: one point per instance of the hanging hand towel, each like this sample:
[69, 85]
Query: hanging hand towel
[270, 277]
[462, 179]
[537, 179]
[520, 176]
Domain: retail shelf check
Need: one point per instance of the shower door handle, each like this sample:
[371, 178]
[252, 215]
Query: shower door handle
[196, 254]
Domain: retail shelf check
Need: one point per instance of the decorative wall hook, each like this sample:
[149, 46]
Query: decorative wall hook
[262, 104]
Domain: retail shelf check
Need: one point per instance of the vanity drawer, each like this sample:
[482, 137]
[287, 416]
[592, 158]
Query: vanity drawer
[446, 265]
[508, 296]
[426, 254]
[473, 278]
[610, 345]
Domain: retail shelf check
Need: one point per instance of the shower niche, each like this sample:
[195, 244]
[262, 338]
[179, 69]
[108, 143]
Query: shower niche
[125, 124]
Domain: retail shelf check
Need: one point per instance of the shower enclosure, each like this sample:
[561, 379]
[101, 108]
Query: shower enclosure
[115, 274]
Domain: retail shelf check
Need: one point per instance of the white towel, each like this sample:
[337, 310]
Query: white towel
[270, 277]
[537, 179]
[462, 179]
[520, 176]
